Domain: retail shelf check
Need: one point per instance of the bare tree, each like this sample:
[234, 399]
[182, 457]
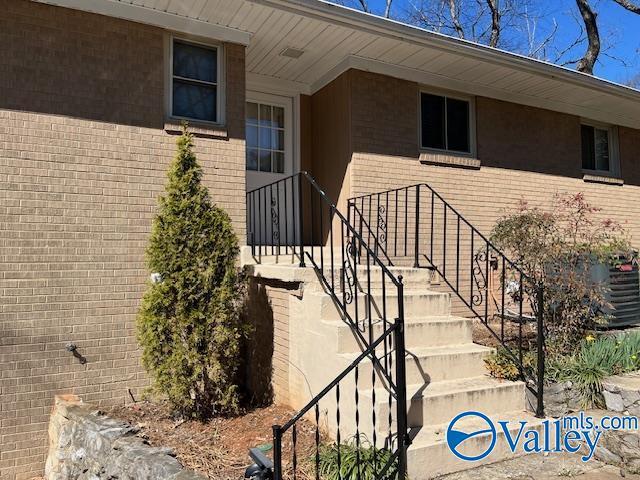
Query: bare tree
[454, 11]
[588, 61]
[495, 22]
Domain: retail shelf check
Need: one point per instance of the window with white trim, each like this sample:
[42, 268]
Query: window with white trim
[265, 131]
[195, 82]
[445, 123]
[599, 153]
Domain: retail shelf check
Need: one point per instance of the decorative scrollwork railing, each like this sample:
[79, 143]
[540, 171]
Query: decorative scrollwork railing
[422, 227]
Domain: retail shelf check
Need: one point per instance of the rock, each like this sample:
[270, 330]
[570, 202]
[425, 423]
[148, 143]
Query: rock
[630, 397]
[560, 399]
[84, 444]
[613, 401]
[605, 455]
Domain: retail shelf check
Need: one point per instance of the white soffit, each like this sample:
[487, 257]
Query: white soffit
[150, 16]
[335, 39]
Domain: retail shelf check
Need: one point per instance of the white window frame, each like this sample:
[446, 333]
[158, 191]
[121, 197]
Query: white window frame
[220, 84]
[472, 121]
[614, 149]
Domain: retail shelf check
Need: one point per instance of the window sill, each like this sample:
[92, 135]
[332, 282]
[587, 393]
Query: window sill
[593, 178]
[449, 160]
[173, 126]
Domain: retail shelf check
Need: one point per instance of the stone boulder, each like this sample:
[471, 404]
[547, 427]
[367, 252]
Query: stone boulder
[85, 444]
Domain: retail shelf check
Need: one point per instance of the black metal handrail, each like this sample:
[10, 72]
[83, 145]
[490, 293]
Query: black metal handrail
[415, 223]
[294, 217]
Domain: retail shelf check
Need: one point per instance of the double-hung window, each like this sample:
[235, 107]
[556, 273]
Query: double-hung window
[599, 152]
[195, 81]
[445, 123]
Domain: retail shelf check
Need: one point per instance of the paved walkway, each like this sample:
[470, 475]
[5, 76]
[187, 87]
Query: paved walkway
[540, 467]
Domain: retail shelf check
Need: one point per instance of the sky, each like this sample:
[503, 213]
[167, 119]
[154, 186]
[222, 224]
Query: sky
[619, 30]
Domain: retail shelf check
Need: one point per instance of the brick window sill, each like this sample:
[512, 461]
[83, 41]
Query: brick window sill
[590, 178]
[449, 160]
[198, 129]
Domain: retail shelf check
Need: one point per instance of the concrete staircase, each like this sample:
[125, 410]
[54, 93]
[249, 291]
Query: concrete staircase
[445, 371]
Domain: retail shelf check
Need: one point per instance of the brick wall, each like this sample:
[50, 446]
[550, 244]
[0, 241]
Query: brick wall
[83, 156]
[267, 349]
[524, 153]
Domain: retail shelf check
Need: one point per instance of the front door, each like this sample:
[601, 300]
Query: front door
[269, 138]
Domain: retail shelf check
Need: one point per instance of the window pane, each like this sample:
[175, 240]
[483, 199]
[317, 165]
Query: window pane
[278, 117]
[252, 112]
[588, 153]
[432, 115]
[278, 139]
[252, 136]
[252, 159]
[265, 137]
[278, 162]
[265, 161]
[191, 61]
[194, 101]
[265, 115]
[602, 149]
[457, 125]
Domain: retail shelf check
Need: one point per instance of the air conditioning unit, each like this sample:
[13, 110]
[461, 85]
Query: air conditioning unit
[621, 280]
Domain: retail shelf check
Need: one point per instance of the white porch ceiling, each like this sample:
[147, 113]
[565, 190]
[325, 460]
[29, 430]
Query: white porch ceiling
[335, 39]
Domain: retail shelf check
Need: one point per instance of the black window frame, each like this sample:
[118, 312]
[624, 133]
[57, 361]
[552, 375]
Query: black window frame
[611, 145]
[445, 127]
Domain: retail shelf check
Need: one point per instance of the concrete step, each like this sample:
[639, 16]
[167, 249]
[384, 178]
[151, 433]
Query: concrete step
[417, 304]
[439, 402]
[429, 455]
[419, 332]
[412, 278]
[425, 366]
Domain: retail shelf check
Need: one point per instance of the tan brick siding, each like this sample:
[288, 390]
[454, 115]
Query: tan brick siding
[525, 153]
[83, 158]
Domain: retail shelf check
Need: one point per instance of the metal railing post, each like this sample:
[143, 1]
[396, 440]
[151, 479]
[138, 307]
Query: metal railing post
[416, 262]
[541, 353]
[277, 452]
[401, 386]
[301, 220]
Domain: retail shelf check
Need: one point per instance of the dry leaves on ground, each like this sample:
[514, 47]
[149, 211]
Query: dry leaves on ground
[219, 448]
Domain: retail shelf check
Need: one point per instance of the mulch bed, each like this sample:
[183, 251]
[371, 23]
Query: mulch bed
[217, 449]
[482, 335]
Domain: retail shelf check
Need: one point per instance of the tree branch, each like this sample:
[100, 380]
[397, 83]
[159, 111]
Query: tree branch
[495, 23]
[453, 11]
[628, 5]
[387, 10]
[590, 57]
[363, 4]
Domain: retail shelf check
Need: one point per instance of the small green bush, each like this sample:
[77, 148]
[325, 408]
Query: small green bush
[363, 462]
[189, 324]
[502, 365]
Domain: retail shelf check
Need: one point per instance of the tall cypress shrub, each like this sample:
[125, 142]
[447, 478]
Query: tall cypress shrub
[189, 325]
